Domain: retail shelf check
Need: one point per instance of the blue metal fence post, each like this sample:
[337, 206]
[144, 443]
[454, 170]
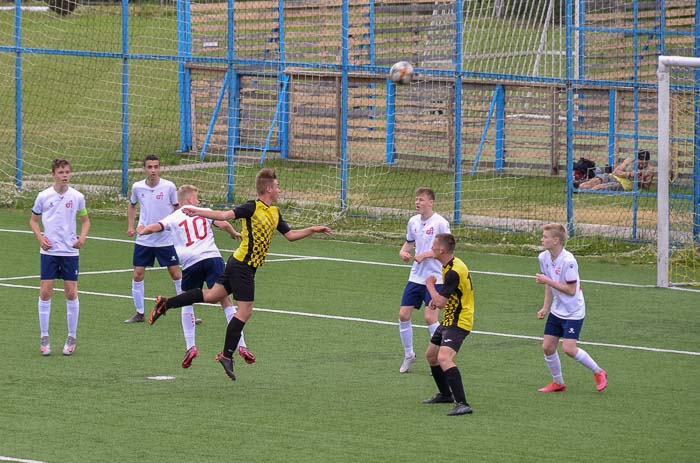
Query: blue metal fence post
[635, 106]
[500, 127]
[569, 117]
[390, 122]
[184, 52]
[612, 97]
[696, 135]
[344, 95]
[233, 105]
[125, 97]
[282, 85]
[18, 94]
[458, 59]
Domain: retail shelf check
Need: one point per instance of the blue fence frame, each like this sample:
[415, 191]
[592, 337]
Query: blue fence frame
[231, 86]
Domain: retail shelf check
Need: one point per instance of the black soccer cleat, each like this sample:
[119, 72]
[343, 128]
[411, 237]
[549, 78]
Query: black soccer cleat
[159, 309]
[227, 363]
[439, 398]
[460, 409]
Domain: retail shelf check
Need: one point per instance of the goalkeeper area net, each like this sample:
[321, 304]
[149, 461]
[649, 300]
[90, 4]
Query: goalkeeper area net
[678, 228]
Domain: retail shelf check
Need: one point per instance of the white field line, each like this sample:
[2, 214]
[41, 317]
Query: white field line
[20, 460]
[292, 257]
[387, 323]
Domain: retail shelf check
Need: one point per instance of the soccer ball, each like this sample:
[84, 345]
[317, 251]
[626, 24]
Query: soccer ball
[401, 72]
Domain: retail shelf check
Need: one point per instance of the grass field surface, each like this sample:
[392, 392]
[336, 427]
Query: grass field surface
[326, 385]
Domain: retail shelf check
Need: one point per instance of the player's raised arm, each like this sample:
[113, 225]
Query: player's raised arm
[294, 235]
[208, 213]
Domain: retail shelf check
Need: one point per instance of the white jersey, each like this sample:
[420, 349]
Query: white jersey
[193, 237]
[155, 204]
[564, 269]
[422, 234]
[58, 216]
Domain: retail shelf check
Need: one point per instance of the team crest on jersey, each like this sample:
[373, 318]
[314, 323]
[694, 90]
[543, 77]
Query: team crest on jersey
[69, 204]
[429, 231]
[159, 195]
[557, 271]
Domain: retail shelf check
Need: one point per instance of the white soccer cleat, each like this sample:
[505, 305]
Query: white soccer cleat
[45, 346]
[407, 362]
[69, 346]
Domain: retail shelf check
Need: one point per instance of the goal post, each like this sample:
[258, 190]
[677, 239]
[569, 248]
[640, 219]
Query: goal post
[678, 193]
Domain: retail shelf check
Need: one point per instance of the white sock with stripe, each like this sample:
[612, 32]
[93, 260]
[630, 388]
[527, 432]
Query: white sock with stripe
[137, 291]
[44, 316]
[72, 313]
[554, 365]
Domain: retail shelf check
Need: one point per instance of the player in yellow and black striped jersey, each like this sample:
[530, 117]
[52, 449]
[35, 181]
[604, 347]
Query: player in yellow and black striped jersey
[260, 220]
[456, 298]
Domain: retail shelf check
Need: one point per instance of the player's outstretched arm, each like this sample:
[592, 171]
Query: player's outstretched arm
[294, 235]
[148, 229]
[228, 228]
[191, 211]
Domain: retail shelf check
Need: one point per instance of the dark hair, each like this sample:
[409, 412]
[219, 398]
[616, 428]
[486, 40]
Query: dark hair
[643, 155]
[58, 163]
[151, 157]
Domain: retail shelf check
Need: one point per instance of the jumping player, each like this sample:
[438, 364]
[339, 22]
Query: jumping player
[201, 262]
[260, 220]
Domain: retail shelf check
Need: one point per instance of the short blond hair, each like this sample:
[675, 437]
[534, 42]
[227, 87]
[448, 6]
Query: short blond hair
[185, 191]
[264, 179]
[557, 230]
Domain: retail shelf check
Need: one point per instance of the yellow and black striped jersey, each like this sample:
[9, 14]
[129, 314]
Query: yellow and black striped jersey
[457, 288]
[259, 223]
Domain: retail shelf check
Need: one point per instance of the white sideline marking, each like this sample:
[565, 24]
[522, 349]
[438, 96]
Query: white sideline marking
[383, 322]
[20, 460]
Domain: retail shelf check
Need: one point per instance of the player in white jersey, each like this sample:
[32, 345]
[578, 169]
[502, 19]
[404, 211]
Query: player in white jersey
[200, 259]
[156, 198]
[58, 208]
[420, 232]
[563, 299]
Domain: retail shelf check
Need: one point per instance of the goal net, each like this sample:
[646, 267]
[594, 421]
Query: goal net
[678, 232]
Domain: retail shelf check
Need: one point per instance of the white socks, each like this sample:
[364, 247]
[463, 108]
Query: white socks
[585, 359]
[44, 315]
[432, 328]
[72, 312]
[554, 366]
[188, 324]
[406, 333]
[137, 293]
[178, 286]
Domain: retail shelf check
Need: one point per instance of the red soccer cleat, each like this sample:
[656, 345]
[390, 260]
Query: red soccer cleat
[601, 380]
[246, 355]
[553, 387]
[190, 355]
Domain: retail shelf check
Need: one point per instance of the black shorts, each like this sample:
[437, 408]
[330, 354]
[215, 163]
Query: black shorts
[449, 336]
[239, 280]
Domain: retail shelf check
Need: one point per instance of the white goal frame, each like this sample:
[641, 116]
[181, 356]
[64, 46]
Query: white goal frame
[665, 64]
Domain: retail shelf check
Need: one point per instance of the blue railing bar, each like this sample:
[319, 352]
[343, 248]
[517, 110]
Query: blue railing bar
[569, 23]
[280, 101]
[214, 116]
[484, 132]
[390, 122]
[611, 126]
[622, 30]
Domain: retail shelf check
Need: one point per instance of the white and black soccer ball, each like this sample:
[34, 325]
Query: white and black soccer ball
[401, 72]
